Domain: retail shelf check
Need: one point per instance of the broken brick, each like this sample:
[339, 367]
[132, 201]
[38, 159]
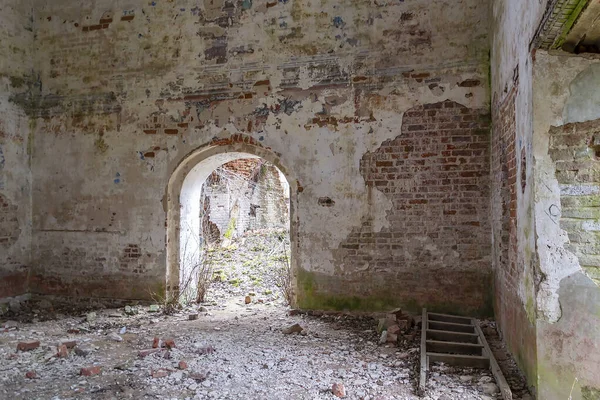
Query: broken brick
[31, 375]
[168, 343]
[69, 343]
[156, 343]
[62, 351]
[338, 390]
[90, 371]
[28, 345]
[182, 365]
[159, 373]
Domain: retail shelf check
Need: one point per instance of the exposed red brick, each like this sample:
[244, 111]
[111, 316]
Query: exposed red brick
[90, 371]
[68, 343]
[159, 373]
[438, 187]
[28, 345]
[31, 375]
[62, 351]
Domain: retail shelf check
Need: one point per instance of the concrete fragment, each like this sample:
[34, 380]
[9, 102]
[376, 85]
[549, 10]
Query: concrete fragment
[115, 337]
[296, 328]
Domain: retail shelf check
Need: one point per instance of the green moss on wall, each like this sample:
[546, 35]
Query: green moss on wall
[570, 21]
[311, 298]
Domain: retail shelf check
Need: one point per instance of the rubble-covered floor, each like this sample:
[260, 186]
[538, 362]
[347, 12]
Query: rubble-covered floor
[232, 351]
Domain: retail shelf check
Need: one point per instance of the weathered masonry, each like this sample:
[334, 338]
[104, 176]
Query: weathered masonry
[441, 154]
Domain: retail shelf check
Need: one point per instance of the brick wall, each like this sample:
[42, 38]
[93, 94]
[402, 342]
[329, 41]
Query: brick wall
[510, 309]
[575, 149]
[436, 250]
[248, 192]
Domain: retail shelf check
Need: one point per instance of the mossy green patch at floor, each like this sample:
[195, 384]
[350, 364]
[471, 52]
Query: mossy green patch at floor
[310, 297]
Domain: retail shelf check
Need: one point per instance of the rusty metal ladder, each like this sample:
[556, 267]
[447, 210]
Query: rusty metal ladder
[456, 341]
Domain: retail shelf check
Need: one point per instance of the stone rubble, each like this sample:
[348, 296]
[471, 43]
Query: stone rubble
[323, 356]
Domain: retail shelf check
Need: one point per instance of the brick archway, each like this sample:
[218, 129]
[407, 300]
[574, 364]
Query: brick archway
[183, 195]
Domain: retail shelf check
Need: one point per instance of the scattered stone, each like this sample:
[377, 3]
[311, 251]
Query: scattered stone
[248, 300]
[383, 337]
[73, 330]
[338, 390]
[202, 309]
[123, 330]
[489, 388]
[82, 351]
[182, 365]
[131, 310]
[296, 328]
[153, 308]
[44, 304]
[15, 306]
[28, 345]
[114, 315]
[206, 350]
[199, 376]
[193, 317]
[115, 337]
[90, 371]
[293, 312]
[11, 325]
[91, 317]
[392, 337]
[394, 329]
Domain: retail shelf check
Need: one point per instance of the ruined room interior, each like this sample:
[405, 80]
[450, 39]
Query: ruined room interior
[262, 199]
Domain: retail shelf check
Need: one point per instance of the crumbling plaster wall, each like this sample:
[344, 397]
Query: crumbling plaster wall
[16, 44]
[514, 25]
[566, 181]
[131, 89]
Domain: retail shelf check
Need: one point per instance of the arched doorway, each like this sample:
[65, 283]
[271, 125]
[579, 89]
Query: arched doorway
[183, 206]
